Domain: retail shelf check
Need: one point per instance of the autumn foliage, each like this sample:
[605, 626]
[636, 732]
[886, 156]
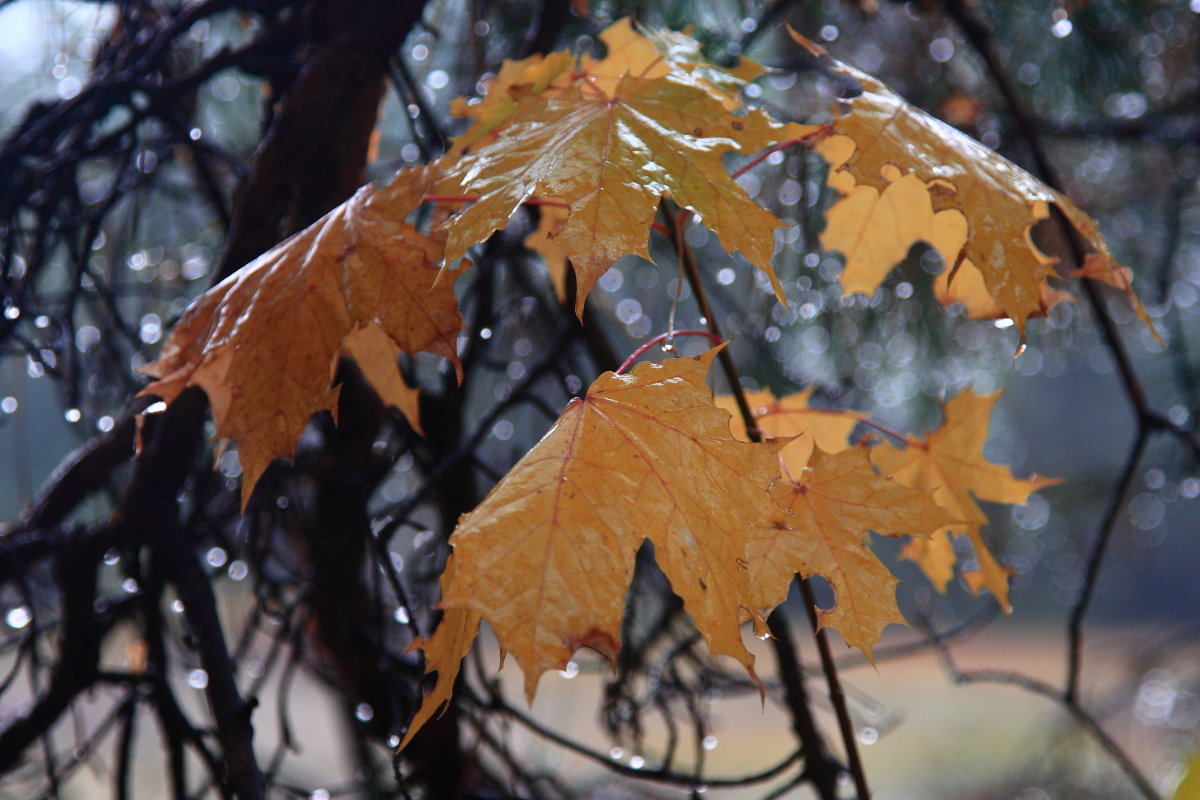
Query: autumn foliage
[735, 506]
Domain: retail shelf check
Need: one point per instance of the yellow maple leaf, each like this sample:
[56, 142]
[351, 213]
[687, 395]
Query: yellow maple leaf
[264, 343]
[444, 652]
[1000, 201]
[548, 555]
[950, 462]
[836, 500]
[533, 75]
[1189, 787]
[627, 52]
[541, 241]
[965, 285]
[611, 159]
[793, 418]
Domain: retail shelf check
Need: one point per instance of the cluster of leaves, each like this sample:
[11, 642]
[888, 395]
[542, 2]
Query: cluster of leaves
[599, 143]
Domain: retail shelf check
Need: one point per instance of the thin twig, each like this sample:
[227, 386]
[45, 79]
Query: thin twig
[755, 435]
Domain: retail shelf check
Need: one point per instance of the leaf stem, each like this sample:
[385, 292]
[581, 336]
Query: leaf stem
[765, 154]
[715, 339]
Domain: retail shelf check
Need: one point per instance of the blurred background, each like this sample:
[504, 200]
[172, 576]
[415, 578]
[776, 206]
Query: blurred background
[118, 212]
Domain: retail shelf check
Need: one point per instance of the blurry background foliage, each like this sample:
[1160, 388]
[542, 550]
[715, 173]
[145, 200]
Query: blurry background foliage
[99, 261]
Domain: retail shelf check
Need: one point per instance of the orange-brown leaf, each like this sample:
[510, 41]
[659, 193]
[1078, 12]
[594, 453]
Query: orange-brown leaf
[793, 418]
[627, 52]
[950, 462]
[444, 652]
[836, 500]
[611, 159]
[516, 79]
[264, 343]
[548, 556]
[1000, 201]
[542, 242]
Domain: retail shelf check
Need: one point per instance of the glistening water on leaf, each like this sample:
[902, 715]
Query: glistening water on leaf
[547, 557]
[836, 500]
[906, 176]
[264, 344]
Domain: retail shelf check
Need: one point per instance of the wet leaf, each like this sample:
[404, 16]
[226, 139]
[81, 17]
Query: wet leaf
[836, 500]
[548, 556]
[264, 344]
[950, 462]
[879, 139]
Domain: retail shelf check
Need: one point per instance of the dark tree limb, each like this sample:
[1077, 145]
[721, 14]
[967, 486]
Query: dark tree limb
[79, 656]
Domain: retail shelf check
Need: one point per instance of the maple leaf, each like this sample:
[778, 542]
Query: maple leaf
[950, 462]
[533, 75]
[965, 285]
[541, 241]
[264, 343]
[882, 139]
[444, 652]
[610, 154]
[835, 501]
[627, 52]
[548, 555]
[790, 417]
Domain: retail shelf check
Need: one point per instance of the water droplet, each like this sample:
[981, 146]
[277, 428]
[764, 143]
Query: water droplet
[616, 754]
[571, 670]
[637, 762]
[363, 712]
[18, 617]
[401, 615]
[216, 557]
[709, 743]
[73, 415]
[197, 679]
[868, 736]
[1062, 29]
[393, 741]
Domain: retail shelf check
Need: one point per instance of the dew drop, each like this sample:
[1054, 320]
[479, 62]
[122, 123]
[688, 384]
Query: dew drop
[18, 617]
